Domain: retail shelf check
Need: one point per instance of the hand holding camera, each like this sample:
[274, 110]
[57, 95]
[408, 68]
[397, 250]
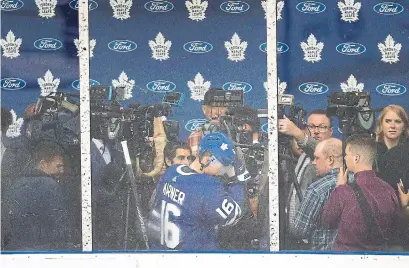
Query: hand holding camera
[287, 127]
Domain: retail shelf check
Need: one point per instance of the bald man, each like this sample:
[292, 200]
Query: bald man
[306, 224]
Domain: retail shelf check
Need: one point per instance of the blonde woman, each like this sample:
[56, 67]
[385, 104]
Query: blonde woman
[392, 126]
[392, 136]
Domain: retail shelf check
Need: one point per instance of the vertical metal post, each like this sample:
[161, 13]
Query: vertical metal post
[85, 126]
[272, 93]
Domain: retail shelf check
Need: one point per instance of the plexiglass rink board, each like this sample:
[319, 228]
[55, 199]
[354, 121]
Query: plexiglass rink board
[41, 192]
[164, 56]
[329, 52]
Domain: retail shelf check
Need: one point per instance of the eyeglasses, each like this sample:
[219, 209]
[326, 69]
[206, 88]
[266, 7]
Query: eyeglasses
[320, 128]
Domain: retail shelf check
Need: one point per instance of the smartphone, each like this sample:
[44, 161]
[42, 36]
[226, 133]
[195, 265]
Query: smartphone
[402, 187]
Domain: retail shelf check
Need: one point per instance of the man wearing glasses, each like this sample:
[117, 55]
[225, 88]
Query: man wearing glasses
[319, 128]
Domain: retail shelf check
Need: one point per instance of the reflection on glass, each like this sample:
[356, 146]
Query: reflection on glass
[166, 78]
[40, 167]
[342, 67]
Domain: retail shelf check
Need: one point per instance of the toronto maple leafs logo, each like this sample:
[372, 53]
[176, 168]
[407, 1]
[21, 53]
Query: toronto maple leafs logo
[235, 48]
[197, 9]
[198, 87]
[312, 49]
[48, 84]
[46, 8]
[125, 85]
[349, 10]
[352, 85]
[121, 8]
[282, 86]
[390, 50]
[14, 129]
[160, 47]
[92, 44]
[224, 146]
[11, 45]
[280, 6]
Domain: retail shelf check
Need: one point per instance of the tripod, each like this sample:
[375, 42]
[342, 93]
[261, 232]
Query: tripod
[137, 200]
[287, 183]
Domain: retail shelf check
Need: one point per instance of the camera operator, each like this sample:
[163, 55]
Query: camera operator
[242, 124]
[319, 126]
[120, 197]
[392, 136]
[366, 213]
[212, 114]
[36, 204]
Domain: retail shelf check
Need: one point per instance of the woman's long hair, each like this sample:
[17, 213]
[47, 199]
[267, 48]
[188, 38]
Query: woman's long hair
[402, 115]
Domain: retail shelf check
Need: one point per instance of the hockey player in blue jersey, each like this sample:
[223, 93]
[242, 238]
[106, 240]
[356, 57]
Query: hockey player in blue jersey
[192, 201]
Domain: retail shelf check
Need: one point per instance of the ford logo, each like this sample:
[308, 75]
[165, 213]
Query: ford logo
[234, 6]
[48, 44]
[351, 48]
[194, 124]
[198, 47]
[391, 89]
[161, 86]
[12, 83]
[159, 6]
[263, 47]
[313, 88]
[122, 45]
[388, 8]
[264, 128]
[92, 4]
[282, 47]
[246, 87]
[311, 7]
[11, 5]
[76, 84]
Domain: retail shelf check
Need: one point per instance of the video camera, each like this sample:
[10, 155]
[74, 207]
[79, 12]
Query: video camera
[111, 121]
[294, 113]
[56, 117]
[354, 111]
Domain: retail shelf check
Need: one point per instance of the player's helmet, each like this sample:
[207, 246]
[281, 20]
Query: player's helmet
[219, 146]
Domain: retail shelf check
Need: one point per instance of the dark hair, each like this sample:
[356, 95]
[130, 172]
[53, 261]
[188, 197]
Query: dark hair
[47, 151]
[322, 112]
[172, 146]
[6, 119]
[245, 115]
[363, 144]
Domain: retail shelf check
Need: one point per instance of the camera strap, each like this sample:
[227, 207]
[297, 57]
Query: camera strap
[373, 233]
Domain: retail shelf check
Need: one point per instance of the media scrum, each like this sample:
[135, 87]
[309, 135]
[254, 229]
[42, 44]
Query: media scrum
[129, 163]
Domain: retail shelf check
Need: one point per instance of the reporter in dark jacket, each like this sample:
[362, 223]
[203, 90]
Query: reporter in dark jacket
[392, 138]
[36, 214]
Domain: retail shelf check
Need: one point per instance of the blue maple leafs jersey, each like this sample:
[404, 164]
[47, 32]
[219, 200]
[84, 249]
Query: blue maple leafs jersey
[189, 206]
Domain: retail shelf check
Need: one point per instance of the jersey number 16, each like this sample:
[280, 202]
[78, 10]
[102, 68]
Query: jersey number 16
[170, 232]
